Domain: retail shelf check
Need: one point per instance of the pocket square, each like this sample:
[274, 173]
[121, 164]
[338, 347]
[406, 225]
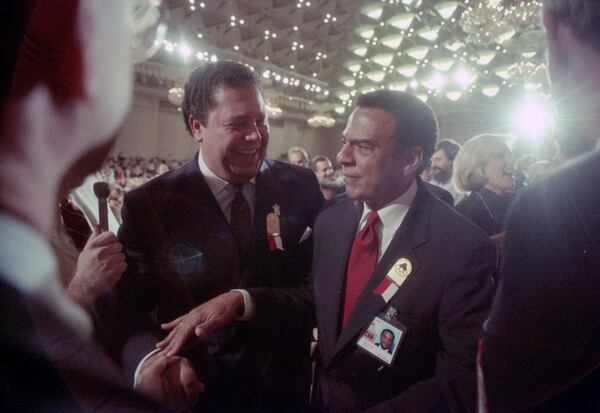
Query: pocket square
[306, 234]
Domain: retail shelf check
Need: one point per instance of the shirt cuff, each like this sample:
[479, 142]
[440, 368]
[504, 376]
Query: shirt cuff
[249, 313]
[137, 370]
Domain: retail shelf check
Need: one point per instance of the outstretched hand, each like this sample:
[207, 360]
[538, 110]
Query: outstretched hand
[196, 325]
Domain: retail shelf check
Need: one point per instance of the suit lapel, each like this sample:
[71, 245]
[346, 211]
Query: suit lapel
[265, 196]
[413, 232]
[331, 286]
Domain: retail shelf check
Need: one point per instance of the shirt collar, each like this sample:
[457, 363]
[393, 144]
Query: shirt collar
[395, 210]
[215, 183]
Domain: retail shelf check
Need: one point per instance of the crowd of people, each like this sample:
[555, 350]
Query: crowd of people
[234, 285]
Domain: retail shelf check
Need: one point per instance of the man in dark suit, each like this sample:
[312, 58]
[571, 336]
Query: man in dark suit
[61, 102]
[218, 254]
[540, 349]
[391, 255]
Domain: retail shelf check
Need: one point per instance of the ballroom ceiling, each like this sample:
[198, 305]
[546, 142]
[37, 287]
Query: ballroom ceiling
[324, 53]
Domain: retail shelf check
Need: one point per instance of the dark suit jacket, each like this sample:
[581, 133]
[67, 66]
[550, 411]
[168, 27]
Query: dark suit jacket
[542, 340]
[443, 304]
[486, 209]
[181, 253]
[57, 374]
[440, 192]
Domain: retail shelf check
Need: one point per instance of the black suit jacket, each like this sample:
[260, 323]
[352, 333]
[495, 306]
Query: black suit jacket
[542, 340]
[181, 253]
[61, 373]
[443, 304]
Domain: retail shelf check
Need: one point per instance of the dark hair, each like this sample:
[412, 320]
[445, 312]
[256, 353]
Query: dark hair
[415, 122]
[388, 331]
[319, 158]
[205, 80]
[581, 16]
[449, 147]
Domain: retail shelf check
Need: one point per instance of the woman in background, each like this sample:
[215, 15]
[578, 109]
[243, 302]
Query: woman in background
[485, 167]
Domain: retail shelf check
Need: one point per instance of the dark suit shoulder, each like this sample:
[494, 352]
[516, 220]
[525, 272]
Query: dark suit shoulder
[439, 192]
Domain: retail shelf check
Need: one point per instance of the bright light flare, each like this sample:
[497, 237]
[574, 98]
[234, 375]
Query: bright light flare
[533, 118]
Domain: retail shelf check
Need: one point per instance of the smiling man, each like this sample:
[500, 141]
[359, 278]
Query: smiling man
[218, 253]
[390, 255]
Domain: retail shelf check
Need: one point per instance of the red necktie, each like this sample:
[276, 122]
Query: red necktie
[362, 262]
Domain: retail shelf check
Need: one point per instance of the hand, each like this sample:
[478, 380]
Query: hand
[170, 381]
[99, 267]
[200, 322]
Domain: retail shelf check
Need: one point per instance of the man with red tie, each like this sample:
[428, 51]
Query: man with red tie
[404, 261]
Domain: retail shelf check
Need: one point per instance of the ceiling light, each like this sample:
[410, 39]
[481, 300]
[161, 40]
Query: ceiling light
[503, 72]
[348, 82]
[490, 90]
[446, 8]
[430, 34]
[454, 46]
[401, 86]
[393, 41]
[343, 96]
[383, 59]
[353, 66]
[402, 21]
[485, 57]
[418, 52]
[407, 70]
[443, 64]
[454, 95]
[359, 50]
[373, 11]
[376, 75]
[366, 32]
[340, 110]
[423, 98]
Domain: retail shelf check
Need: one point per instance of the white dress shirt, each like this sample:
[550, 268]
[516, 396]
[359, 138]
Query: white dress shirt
[392, 215]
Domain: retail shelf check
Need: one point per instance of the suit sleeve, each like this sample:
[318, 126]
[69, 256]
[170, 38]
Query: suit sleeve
[464, 306]
[545, 316]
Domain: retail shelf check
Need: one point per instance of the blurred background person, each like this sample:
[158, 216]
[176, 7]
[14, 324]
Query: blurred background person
[442, 162]
[323, 168]
[485, 167]
[298, 156]
[521, 170]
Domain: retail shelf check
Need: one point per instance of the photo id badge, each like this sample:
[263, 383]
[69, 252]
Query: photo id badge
[382, 338]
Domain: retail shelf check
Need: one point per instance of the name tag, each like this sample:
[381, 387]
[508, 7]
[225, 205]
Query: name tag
[382, 338]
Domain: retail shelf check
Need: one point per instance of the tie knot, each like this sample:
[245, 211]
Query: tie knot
[372, 218]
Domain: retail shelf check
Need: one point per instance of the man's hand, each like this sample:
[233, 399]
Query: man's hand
[200, 322]
[99, 267]
[170, 381]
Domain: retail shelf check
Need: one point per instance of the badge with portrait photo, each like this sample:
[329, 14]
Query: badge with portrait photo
[382, 338]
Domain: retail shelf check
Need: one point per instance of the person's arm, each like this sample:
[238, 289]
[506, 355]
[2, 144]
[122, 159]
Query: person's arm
[463, 308]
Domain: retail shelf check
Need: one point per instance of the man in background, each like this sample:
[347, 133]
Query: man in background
[297, 156]
[441, 167]
[540, 350]
[323, 168]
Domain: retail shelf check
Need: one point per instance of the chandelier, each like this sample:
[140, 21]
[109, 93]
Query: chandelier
[321, 120]
[175, 95]
[273, 110]
[527, 72]
[487, 23]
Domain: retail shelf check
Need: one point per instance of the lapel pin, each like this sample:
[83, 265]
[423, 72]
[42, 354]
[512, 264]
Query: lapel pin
[274, 229]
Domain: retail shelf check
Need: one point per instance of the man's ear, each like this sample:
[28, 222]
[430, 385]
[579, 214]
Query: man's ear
[413, 157]
[196, 127]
